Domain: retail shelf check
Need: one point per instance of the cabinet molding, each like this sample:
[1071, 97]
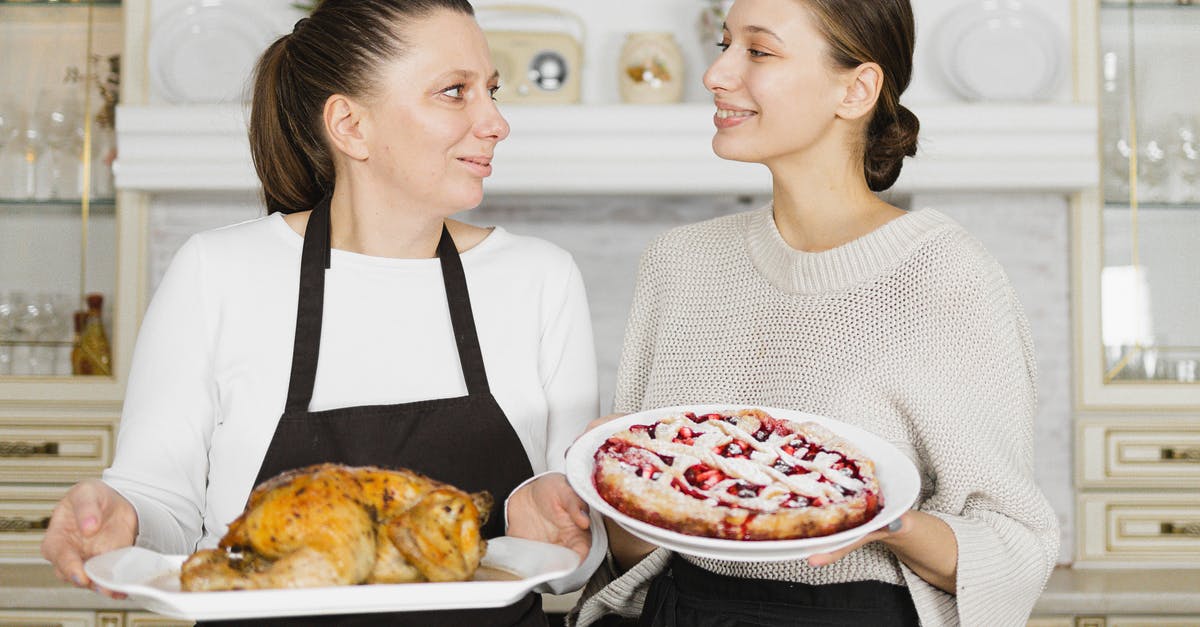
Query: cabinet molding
[606, 149]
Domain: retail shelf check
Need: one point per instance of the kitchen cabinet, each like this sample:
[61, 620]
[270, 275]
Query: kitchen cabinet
[64, 233]
[1136, 272]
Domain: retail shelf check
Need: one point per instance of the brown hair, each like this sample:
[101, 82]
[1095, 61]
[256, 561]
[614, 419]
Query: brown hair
[338, 49]
[883, 32]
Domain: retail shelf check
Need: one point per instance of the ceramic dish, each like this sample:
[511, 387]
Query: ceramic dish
[999, 51]
[898, 478]
[204, 52]
[512, 568]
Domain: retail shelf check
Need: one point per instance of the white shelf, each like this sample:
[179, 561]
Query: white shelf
[645, 149]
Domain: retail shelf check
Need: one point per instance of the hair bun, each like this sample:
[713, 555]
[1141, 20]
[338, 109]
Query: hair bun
[889, 140]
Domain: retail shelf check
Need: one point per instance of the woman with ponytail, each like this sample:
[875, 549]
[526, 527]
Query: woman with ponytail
[356, 323]
[831, 301]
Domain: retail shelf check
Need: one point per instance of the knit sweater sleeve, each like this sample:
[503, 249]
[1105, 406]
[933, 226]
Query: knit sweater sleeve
[974, 433]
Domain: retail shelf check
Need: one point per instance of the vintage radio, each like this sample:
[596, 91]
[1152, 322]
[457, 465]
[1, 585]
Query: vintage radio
[540, 61]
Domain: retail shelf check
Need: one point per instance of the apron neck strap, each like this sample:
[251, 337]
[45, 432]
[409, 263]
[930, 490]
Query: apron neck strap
[315, 259]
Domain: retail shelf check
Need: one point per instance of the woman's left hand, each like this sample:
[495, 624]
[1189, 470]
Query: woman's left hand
[548, 510]
[925, 543]
[896, 527]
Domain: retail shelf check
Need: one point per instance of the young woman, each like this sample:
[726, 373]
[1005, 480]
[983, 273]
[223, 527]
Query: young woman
[830, 300]
[355, 323]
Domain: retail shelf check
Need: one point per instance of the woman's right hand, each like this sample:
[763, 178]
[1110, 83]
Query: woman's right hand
[91, 519]
[627, 550]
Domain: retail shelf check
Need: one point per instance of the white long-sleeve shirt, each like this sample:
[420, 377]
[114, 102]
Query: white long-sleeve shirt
[210, 370]
[912, 332]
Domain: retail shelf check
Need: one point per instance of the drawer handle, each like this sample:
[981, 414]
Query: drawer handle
[1190, 455]
[27, 449]
[22, 525]
[1180, 529]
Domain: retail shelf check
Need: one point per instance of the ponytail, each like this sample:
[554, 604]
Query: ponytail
[295, 170]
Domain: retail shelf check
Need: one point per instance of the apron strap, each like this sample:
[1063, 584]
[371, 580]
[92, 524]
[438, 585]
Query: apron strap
[306, 347]
[458, 299]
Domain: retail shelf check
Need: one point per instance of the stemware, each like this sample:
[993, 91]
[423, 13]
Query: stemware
[18, 153]
[60, 120]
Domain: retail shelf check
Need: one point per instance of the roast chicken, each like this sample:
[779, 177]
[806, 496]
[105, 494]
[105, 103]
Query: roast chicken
[329, 525]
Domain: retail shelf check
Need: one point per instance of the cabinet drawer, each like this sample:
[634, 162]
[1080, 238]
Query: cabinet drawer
[147, 619]
[31, 618]
[24, 514]
[1149, 529]
[1139, 454]
[59, 450]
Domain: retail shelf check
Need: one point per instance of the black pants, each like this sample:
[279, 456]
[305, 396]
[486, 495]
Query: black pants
[686, 595]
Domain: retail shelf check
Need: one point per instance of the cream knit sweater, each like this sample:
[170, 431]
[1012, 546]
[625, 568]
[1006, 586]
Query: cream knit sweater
[911, 332]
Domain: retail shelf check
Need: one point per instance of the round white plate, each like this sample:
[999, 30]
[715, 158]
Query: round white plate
[1000, 50]
[205, 51]
[898, 477]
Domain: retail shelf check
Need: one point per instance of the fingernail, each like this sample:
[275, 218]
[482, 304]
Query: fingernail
[77, 581]
[895, 525]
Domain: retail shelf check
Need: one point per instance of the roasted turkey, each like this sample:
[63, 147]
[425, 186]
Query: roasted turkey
[329, 525]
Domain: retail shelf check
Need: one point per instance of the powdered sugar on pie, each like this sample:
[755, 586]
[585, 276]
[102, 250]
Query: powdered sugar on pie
[742, 475]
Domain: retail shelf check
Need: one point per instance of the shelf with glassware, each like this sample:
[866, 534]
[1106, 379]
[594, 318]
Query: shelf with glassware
[1136, 268]
[1138, 260]
[64, 239]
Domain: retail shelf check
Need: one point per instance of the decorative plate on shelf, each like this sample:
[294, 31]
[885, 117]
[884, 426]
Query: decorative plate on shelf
[512, 568]
[205, 51]
[1000, 50]
[898, 478]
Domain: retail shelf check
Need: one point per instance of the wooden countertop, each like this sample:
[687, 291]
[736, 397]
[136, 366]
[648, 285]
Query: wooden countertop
[1070, 591]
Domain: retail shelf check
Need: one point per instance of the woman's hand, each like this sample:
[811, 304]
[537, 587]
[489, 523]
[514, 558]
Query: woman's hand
[925, 543]
[91, 519]
[548, 510]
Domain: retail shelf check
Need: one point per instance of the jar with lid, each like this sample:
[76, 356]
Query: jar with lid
[651, 69]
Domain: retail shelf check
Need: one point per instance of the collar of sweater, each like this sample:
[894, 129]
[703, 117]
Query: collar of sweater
[798, 272]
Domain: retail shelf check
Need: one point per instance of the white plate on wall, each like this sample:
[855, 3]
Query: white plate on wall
[205, 51]
[1000, 50]
[898, 478]
[152, 580]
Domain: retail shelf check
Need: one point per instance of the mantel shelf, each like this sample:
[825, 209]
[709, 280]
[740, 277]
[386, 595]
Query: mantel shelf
[644, 149]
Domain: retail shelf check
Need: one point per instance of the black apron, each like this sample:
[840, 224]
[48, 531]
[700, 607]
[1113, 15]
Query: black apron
[465, 441]
[685, 595]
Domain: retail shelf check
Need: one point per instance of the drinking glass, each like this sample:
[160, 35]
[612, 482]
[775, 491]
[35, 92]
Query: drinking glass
[1185, 157]
[8, 317]
[1154, 175]
[18, 153]
[60, 120]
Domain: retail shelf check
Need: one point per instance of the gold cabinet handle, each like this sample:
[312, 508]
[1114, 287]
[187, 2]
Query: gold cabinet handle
[28, 449]
[1189, 455]
[23, 525]
[1180, 529]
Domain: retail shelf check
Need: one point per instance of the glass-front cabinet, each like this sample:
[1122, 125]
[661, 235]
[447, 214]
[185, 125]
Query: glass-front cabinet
[69, 258]
[1142, 319]
[1137, 285]
[63, 239]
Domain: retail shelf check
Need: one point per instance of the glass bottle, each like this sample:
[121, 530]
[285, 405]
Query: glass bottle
[95, 355]
[77, 363]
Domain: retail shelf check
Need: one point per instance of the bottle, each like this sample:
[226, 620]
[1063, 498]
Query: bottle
[77, 364]
[95, 358]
